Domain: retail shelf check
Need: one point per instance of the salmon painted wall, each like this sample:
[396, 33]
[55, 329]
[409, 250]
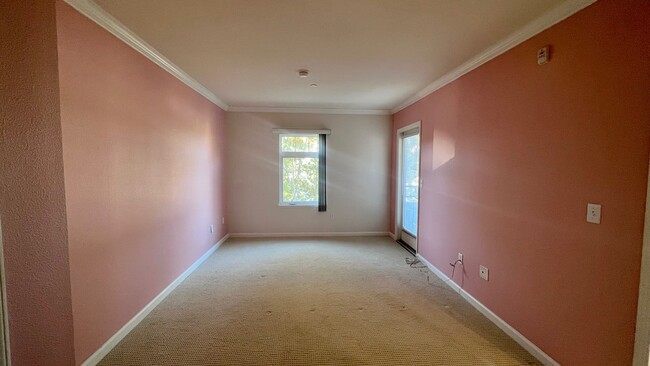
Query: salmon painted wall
[143, 156]
[32, 195]
[512, 152]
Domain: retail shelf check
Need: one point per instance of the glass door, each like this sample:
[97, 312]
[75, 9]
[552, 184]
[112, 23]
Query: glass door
[410, 185]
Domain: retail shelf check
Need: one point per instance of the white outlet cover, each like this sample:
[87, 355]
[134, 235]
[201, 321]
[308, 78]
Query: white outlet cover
[593, 213]
[484, 272]
[460, 257]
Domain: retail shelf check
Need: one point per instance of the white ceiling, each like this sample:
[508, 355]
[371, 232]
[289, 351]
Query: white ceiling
[363, 54]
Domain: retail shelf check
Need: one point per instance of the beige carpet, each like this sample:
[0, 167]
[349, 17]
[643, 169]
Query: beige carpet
[334, 301]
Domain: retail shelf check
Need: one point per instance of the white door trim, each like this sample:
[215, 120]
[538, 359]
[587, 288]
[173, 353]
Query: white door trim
[5, 352]
[642, 339]
[398, 181]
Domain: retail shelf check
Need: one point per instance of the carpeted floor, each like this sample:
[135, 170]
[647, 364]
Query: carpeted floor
[317, 301]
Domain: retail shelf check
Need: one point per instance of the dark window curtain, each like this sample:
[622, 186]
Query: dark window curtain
[322, 194]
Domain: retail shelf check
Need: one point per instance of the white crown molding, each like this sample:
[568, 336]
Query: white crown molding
[383, 112]
[545, 21]
[100, 353]
[95, 13]
[548, 19]
[505, 327]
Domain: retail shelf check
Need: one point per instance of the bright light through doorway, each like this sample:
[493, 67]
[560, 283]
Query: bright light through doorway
[411, 177]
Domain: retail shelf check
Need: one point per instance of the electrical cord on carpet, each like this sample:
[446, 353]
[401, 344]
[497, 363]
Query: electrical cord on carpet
[423, 268]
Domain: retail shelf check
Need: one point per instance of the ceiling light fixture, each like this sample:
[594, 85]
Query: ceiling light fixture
[303, 73]
[313, 85]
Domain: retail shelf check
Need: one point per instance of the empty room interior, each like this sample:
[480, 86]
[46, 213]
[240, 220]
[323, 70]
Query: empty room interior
[324, 182]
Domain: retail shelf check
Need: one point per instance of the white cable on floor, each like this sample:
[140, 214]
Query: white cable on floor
[417, 264]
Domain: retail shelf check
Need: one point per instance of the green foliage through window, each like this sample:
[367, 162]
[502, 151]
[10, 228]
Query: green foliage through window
[300, 179]
[299, 143]
[299, 160]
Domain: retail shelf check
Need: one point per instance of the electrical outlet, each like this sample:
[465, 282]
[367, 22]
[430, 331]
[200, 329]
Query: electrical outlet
[460, 257]
[212, 228]
[223, 220]
[593, 213]
[484, 272]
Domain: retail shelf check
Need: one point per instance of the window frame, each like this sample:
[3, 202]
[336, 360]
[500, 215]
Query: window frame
[294, 154]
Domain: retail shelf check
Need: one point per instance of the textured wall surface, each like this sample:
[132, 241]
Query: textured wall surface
[143, 156]
[358, 159]
[32, 202]
[512, 153]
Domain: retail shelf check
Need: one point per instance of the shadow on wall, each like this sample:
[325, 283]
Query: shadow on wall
[266, 156]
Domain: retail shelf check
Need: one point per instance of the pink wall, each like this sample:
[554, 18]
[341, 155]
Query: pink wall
[32, 200]
[143, 157]
[512, 153]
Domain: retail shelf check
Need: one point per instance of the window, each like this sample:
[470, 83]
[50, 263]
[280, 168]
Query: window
[299, 169]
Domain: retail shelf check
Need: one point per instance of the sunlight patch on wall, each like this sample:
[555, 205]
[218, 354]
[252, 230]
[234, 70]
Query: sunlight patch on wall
[444, 148]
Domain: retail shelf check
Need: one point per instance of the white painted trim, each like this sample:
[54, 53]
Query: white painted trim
[545, 21]
[548, 19]
[95, 13]
[128, 327]
[392, 236]
[300, 132]
[382, 112]
[398, 179]
[308, 234]
[509, 330]
[4, 311]
[642, 337]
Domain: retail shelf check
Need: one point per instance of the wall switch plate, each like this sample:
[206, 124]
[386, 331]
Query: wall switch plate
[212, 228]
[223, 220]
[593, 213]
[460, 257]
[543, 55]
[484, 272]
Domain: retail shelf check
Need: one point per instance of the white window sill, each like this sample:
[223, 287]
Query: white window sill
[284, 204]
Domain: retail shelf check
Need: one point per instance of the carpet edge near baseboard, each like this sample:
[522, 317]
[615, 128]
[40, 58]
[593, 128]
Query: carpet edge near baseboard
[524, 342]
[310, 234]
[104, 350]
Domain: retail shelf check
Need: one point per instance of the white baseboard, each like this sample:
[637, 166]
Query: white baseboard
[307, 234]
[392, 236]
[509, 330]
[117, 337]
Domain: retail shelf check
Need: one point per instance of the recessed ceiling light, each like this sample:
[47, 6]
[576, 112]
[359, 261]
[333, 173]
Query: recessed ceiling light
[313, 85]
[303, 73]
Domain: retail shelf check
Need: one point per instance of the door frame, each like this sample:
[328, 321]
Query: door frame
[5, 350]
[642, 336]
[398, 186]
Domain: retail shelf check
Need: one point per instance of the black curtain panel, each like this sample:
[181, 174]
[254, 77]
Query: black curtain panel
[322, 194]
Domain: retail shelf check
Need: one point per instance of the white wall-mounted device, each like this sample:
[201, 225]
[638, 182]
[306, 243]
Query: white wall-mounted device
[543, 55]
